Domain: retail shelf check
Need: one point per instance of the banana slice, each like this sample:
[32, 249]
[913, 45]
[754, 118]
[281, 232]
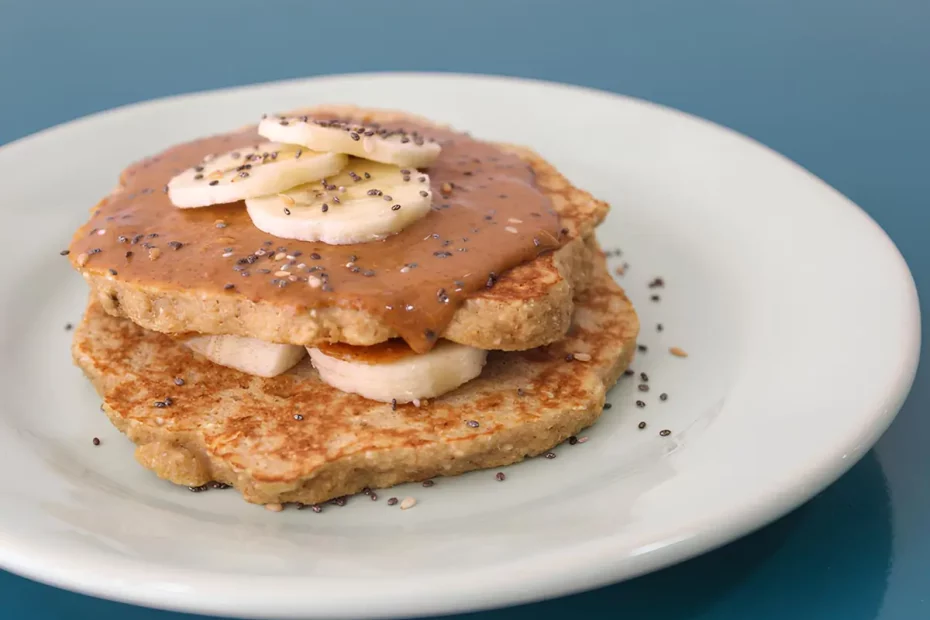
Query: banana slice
[366, 202]
[392, 371]
[368, 141]
[251, 356]
[252, 171]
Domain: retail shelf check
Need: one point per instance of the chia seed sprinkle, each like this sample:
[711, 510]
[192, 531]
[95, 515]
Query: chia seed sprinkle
[428, 483]
[641, 425]
[500, 476]
[298, 417]
[607, 405]
[665, 432]
[659, 327]
[643, 387]
[550, 455]
[178, 381]
[373, 497]
[572, 440]
[640, 404]
[64, 252]
[96, 441]
[663, 396]
[393, 404]
[68, 327]
[392, 501]
[628, 372]
[214, 182]
[395, 208]
[642, 348]
[472, 423]
[654, 298]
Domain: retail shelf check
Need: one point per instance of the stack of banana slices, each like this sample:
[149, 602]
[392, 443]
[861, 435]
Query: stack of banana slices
[336, 183]
[321, 181]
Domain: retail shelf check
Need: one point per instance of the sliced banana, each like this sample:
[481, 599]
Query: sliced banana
[366, 202]
[403, 378]
[368, 141]
[251, 356]
[251, 171]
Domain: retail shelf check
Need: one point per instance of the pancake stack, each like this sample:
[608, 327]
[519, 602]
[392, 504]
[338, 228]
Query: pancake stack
[341, 299]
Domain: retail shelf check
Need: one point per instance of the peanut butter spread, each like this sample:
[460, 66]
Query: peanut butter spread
[487, 216]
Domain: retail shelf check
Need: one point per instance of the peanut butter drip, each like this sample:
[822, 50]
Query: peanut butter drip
[487, 216]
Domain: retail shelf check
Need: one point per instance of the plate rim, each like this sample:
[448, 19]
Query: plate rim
[51, 569]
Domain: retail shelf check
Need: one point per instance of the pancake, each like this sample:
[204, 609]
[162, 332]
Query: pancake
[293, 438]
[507, 246]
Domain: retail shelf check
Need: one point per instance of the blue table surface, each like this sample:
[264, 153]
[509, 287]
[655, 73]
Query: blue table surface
[841, 86]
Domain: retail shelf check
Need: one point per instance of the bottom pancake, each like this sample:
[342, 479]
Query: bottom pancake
[292, 438]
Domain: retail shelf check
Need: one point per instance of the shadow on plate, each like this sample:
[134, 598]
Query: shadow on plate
[829, 558]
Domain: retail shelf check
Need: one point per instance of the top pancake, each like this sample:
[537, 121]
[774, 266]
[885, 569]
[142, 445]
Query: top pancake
[186, 287]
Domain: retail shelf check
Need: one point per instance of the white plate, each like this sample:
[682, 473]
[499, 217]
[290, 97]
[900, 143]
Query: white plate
[799, 315]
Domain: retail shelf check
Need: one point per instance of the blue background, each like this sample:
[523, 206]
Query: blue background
[841, 86]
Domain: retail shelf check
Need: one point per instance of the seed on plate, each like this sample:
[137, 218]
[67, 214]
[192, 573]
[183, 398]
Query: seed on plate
[392, 501]
[550, 455]
[428, 483]
[665, 433]
[641, 425]
[500, 476]
[640, 404]
[409, 502]
[274, 507]
[96, 441]
[663, 396]
[678, 352]
[572, 440]
[643, 387]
